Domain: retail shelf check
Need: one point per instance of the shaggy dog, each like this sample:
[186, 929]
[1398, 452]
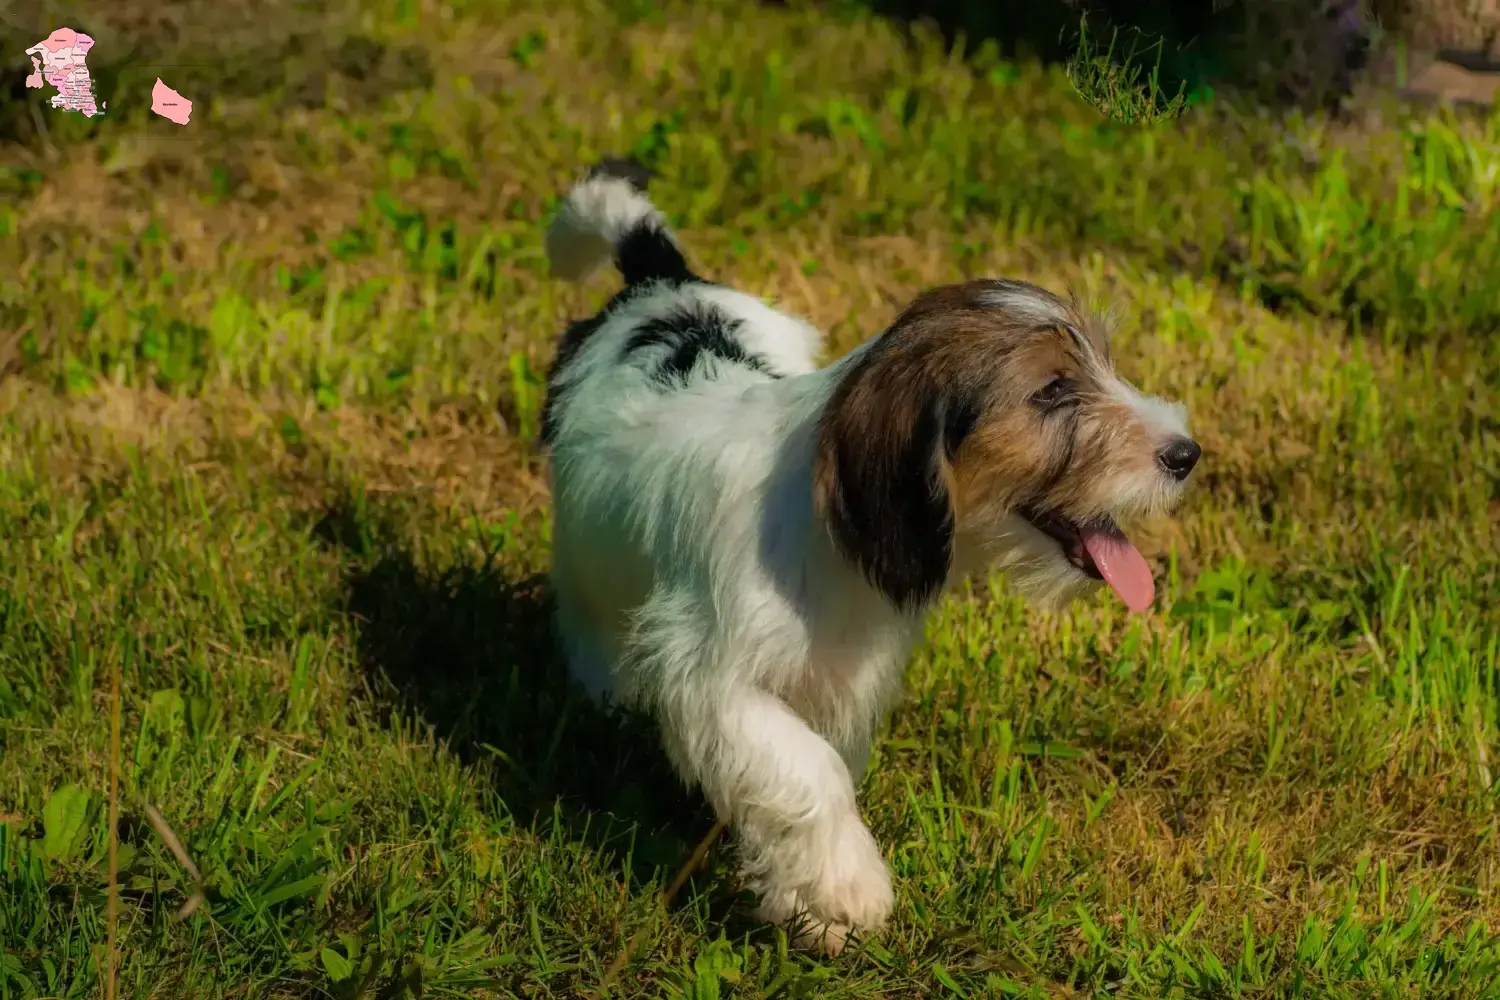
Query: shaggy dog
[745, 543]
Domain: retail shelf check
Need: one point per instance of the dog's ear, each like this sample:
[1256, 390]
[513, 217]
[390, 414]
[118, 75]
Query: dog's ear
[881, 474]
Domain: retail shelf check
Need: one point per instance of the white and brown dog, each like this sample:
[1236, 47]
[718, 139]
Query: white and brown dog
[745, 543]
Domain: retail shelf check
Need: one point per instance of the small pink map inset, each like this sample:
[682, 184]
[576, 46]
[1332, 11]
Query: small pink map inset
[59, 60]
[170, 104]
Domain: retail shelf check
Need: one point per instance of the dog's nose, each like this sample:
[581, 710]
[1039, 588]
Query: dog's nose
[1179, 457]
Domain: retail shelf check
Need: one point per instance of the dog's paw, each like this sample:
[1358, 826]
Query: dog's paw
[855, 887]
[806, 932]
[827, 940]
[851, 894]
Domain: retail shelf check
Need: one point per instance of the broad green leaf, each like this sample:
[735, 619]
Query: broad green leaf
[64, 818]
[337, 966]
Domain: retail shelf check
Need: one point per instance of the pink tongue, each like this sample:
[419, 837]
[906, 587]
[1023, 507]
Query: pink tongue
[1122, 566]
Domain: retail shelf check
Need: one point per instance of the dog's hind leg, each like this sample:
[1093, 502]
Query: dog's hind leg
[789, 798]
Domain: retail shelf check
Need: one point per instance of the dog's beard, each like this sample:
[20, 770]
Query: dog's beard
[1054, 556]
[1100, 550]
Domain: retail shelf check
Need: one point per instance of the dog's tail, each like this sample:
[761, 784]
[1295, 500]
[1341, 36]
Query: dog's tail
[608, 215]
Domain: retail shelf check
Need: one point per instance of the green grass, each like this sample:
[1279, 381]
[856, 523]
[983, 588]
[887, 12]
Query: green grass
[1123, 83]
[271, 387]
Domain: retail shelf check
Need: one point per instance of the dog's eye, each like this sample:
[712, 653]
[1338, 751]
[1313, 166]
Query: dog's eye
[1059, 392]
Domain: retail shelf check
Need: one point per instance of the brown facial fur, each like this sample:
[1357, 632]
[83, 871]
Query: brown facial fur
[937, 428]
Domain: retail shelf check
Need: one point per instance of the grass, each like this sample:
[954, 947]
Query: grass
[271, 388]
[1111, 80]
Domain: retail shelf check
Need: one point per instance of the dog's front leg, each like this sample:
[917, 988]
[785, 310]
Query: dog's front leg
[789, 798]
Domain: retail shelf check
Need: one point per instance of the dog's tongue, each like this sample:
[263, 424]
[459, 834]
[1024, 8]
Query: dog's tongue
[1122, 566]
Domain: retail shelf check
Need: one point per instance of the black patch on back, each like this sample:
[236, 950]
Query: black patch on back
[691, 333]
[647, 254]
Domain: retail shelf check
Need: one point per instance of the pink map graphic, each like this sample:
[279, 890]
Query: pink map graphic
[60, 60]
[170, 104]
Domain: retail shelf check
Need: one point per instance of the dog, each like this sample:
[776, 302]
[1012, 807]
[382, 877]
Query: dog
[745, 542]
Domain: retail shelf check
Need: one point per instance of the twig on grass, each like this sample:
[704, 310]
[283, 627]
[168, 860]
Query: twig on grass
[196, 898]
[112, 913]
[691, 865]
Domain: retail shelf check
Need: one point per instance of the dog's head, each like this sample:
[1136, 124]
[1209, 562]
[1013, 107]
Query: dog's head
[987, 425]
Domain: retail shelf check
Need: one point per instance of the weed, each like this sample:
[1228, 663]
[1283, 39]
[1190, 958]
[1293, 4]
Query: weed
[1112, 83]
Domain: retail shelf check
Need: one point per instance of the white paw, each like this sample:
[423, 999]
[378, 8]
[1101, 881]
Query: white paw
[850, 893]
[855, 887]
[790, 911]
[822, 939]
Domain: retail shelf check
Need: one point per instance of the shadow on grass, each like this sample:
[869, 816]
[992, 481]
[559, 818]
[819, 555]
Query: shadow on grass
[1195, 45]
[470, 652]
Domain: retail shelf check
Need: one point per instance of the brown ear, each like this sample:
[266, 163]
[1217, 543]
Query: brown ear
[880, 478]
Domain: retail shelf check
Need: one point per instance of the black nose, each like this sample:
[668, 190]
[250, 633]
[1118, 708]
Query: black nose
[1179, 457]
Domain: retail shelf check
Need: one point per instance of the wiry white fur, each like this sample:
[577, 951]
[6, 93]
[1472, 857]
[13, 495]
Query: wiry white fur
[1133, 495]
[695, 581]
[1167, 419]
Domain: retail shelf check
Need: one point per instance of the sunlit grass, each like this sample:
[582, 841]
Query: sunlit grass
[267, 451]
